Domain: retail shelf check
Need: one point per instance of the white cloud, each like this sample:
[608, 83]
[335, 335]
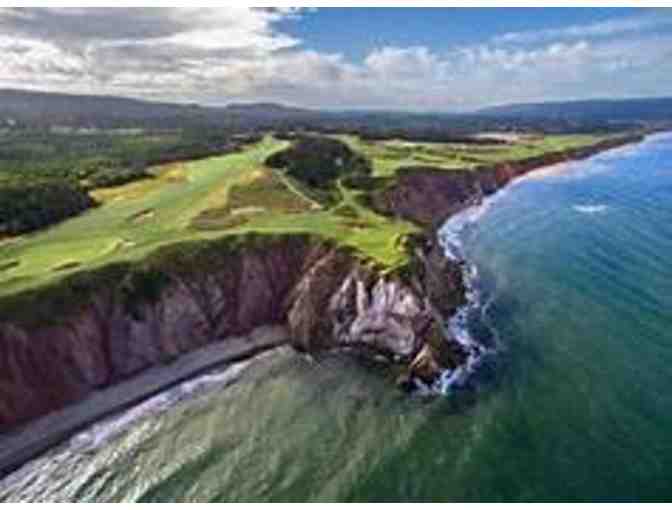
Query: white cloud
[403, 63]
[218, 55]
[649, 21]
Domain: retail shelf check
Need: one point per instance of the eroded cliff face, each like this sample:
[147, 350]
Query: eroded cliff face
[428, 196]
[330, 299]
[327, 296]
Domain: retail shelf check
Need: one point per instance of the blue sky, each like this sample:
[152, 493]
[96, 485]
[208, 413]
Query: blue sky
[355, 32]
[414, 59]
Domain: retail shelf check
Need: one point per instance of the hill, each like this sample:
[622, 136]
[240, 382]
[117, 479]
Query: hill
[34, 108]
[621, 110]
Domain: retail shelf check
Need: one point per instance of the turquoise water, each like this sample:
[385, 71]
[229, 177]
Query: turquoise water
[575, 279]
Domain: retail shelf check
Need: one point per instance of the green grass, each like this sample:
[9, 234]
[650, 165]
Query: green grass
[388, 156]
[204, 199]
[113, 231]
[262, 192]
[236, 194]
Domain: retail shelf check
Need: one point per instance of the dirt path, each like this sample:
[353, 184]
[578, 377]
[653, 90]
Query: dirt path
[291, 187]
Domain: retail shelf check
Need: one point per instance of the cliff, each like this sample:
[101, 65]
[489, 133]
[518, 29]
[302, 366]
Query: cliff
[98, 328]
[428, 196]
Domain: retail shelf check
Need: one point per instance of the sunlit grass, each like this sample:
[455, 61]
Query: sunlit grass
[236, 194]
[108, 233]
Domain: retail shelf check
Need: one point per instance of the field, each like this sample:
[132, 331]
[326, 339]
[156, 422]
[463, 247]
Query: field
[237, 193]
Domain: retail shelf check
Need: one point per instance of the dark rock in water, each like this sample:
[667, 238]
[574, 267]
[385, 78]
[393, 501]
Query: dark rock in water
[436, 355]
[405, 382]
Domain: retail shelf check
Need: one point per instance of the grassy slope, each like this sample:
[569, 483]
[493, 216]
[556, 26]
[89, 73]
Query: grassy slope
[236, 194]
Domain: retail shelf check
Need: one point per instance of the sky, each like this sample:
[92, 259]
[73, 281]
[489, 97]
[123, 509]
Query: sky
[446, 59]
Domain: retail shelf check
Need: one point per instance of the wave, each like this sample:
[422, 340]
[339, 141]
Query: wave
[452, 236]
[590, 208]
[102, 432]
[600, 163]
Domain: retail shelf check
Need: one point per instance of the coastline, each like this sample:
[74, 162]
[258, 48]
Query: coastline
[34, 438]
[21, 445]
[447, 237]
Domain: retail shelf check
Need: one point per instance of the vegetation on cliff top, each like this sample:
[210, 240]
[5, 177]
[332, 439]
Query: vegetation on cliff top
[139, 280]
[390, 155]
[319, 187]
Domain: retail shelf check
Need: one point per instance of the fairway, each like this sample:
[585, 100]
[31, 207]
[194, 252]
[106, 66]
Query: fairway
[132, 220]
[208, 198]
[235, 194]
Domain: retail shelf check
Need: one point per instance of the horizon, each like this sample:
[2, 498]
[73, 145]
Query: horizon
[445, 60]
[344, 109]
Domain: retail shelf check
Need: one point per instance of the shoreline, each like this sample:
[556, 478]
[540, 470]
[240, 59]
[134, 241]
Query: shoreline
[449, 241]
[21, 445]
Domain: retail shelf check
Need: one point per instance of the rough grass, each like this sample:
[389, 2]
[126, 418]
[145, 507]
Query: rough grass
[263, 192]
[9, 264]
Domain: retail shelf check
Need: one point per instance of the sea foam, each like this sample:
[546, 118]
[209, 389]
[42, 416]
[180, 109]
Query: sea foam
[451, 236]
[102, 432]
[590, 208]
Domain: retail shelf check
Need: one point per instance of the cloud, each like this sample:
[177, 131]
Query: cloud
[652, 20]
[226, 54]
[157, 48]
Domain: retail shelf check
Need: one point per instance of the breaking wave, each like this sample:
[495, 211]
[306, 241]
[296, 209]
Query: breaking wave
[102, 432]
[452, 237]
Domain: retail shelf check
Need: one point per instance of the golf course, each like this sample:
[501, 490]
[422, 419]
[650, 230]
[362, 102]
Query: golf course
[238, 193]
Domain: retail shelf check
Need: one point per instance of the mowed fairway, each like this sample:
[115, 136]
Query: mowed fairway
[208, 198]
[132, 220]
[235, 194]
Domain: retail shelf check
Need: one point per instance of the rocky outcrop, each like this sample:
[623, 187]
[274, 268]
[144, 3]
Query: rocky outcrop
[172, 304]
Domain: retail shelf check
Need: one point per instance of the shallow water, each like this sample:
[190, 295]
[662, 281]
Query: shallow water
[576, 281]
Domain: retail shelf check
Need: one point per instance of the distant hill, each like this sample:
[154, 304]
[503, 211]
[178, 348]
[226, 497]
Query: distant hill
[271, 109]
[46, 108]
[646, 109]
[24, 102]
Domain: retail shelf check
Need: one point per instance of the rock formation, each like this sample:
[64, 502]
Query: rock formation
[328, 297]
